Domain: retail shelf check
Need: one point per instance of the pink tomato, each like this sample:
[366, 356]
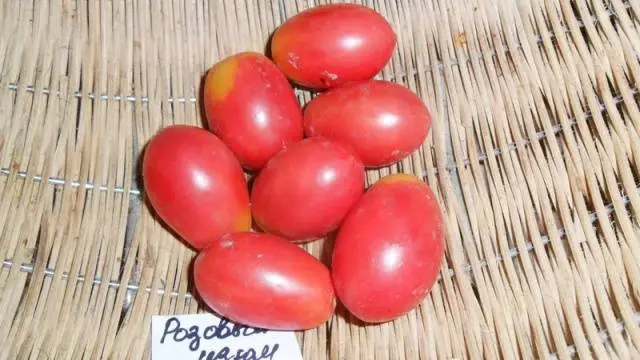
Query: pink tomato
[383, 122]
[305, 191]
[389, 249]
[195, 184]
[251, 106]
[332, 45]
[264, 281]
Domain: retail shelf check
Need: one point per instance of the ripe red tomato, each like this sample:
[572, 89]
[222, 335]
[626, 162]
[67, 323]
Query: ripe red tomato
[389, 249]
[264, 281]
[382, 121]
[195, 184]
[333, 44]
[306, 190]
[251, 106]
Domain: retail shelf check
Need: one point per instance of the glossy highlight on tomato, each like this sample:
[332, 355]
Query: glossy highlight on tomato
[305, 191]
[252, 107]
[383, 122]
[264, 281]
[195, 184]
[389, 249]
[333, 44]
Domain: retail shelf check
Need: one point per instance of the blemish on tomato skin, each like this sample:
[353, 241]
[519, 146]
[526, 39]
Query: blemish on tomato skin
[293, 60]
[221, 78]
[328, 78]
[329, 75]
[226, 243]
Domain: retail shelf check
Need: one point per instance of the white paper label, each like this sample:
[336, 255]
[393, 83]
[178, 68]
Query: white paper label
[209, 337]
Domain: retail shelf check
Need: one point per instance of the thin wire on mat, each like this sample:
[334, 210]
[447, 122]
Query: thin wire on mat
[193, 100]
[144, 99]
[133, 288]
[540, 135]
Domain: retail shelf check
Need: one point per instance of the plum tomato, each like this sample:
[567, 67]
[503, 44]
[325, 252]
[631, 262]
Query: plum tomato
[305, 191]
[389, 249]
[195, 184]
[252, 107]
[333, 44]
[383, 122]
[264, 281]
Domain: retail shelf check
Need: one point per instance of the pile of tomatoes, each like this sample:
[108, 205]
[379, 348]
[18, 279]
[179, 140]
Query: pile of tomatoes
[309, 169]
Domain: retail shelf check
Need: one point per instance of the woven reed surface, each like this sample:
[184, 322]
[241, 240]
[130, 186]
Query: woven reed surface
[534, 155]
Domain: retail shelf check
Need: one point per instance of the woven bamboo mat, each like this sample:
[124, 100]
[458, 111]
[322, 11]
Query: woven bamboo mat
[534, 155]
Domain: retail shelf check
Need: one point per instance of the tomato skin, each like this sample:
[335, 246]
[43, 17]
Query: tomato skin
[389, 249]
[382, 121]
[306, 190]
[264, 281]
[334, 44]
[252, 107]
[195, 184]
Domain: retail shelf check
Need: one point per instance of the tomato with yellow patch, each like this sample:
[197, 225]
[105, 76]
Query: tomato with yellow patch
[334, 44]
[195, 184]
[252, 107]
[383, 122]
[389, 249]
[305, 191]
[264, 281]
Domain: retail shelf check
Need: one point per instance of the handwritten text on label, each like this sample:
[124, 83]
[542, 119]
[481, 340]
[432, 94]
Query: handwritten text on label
[209, 337]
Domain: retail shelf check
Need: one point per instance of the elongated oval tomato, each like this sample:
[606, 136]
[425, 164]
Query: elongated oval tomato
[389, 249]
[264, 281]
[333, 44]
[251, 106]
[382, 121]
[195, 184]
[306, 190]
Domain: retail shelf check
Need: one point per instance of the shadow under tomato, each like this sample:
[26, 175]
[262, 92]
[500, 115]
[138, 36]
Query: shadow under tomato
[251, 179]
[341, 311]
[267, 45]
[138, 179]
[200, 102]
[255, 227]
[327, 248]
[166, 227]
[191, 287]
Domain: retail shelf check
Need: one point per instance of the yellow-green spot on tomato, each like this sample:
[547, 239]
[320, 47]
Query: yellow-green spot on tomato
[243, 222]
[221, 78]
[399, 178]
